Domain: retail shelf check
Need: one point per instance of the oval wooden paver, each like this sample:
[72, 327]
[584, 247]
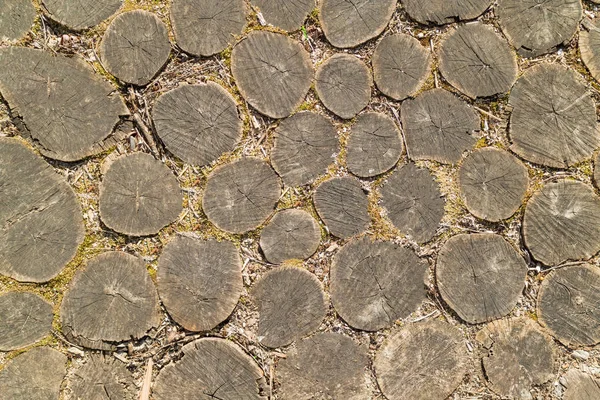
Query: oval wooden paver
[33, 375]
[207, 27]
[440, 12]
[16, 19]
[413, 202]
[492, 183]
[478, 61]
[421, 361]
[41, 225]
[26, 319]
[139, 195]
[198, 123]
[112, 300]
[348, 23]
[343, 83]
[562, 222]
[375, 283]
[438, 126]
[519, 356]
[401, 65]
[211, 368]
[291, 305]
[549, 100]
[290, 235]
[241, 195]
[272, 71]
[102, 377]
[343, 206]
[46, 91]
[288, 15]
[81, 14]
[480, 276]
[305, 145]
[326, 365]
[199, 282]
[581, 386]
[374, 146]
[589, 47]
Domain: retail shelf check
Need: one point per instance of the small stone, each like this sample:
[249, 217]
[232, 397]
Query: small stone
[581, 354]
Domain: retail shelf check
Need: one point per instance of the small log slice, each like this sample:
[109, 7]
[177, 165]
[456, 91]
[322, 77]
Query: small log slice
[492, 183]
[324, 366]
[198, 123]
[375, 283]
[199, 282]
[207, 27]
[272, 72]
[374, 146]
[112, 300]
[81, 14]
[413, 202]
[288, 15]
[589, 47]
[581, 386]
[211, 368]
[24, 319]
[102, 378]
[562, 222]
[440, 12]
[139, 195]
[305, 145]
[343, 206]
[16, 18]
[421, 361]
[241, 195]
[400, 65]
[548, 102]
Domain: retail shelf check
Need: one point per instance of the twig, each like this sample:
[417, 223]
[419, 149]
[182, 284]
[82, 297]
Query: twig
[139, 123]
[566, 264]
[145, 392]
[489, 114]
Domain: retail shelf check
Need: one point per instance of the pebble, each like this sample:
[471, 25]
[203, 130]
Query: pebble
[581, 354]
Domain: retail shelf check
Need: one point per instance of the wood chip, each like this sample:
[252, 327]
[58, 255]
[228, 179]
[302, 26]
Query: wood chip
[26, 319]
[83, 14]
[440, 12]
[102, 377]
[16, 19]
[288, 15]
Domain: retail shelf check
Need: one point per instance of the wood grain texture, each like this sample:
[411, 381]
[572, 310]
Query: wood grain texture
[16, 19]
[581, 386]
[199, 282]
[480, 276]
[81, 14]
[372, 284]
[596, 176]
[102, 377]
[589, 48]
[440, 12]
[24, 319]
[288, 15]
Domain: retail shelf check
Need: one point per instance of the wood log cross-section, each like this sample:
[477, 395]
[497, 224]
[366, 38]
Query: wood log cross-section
[102, 377]
[288, 15]
[25, 318]
[81, 14]
[440, 12]
[16, 19]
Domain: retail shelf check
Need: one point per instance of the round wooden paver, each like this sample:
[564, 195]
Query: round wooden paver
[413, 202]
[290, 235]
[343, 206]
[291, 305]
[421, 361]
[199, 282]
[492, 183]
[581, 386]
[16, 19]
[112, 300]
[343, 83]
[46, 91]
[135, 47]
[548, 102]
[401, 65]
[33, 375]
[102, 377]
[348, 23]
[207, 27]
[198, 123]
[81, 14]
[589, 47]
[41, 225]
[139, 195]
[374, 146]
[324, 366]
[478, 61]
[536, 27]
[26, 319]
[375, 283]
[440, 12]
[438, 126]
[519, 356]
[562, 222]
[288, 15]
[305, 145]
[480, 276]
[272, 72]
[211, 368]
[241, 195]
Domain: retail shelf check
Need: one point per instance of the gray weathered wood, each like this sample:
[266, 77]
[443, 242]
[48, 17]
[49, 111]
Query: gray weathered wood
[492, 183]
[589, 47]
[548, 102]
[288, 15]
[272, 72]
[480, 276]
[139, 195]
[198, 123]
[24, 319]
[241, 195]
[111, 300]
[440, 12]
[41, 225]
[102, 377]
[581, 386]
[199, 282]
[596, 176]
[16, 18]
[81, 14]
[291, 305]
[421, 361]
[305, 145]
[211, 369]
[372, 284]
[562, 222]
